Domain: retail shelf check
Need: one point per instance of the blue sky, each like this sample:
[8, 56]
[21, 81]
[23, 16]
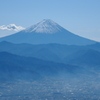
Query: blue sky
[81, 17]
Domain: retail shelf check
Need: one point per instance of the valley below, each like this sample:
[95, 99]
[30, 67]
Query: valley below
[51, 89]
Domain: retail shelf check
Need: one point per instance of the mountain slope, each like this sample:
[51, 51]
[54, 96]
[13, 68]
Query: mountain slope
[46, 32]
[88, 58]
[14, 67]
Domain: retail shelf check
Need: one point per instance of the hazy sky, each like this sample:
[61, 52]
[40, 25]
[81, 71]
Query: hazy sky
[81, 17]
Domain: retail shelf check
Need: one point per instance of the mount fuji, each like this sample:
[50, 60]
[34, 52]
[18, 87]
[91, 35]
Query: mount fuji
[44, 32]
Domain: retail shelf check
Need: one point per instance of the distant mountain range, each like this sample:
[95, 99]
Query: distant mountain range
[30, 62]
[37, 61]
[55, 52]
[46, 32]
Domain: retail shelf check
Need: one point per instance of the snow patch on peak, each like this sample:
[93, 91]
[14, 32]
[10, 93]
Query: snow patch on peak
[45, 26]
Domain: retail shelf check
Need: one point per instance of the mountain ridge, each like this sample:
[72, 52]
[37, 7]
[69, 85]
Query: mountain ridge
[15, 67]
[51, 52]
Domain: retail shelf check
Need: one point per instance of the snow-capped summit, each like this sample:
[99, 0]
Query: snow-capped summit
[44, 32]
[45, 26]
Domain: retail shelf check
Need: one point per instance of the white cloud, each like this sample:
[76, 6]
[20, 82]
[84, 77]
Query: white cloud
[11, 27]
